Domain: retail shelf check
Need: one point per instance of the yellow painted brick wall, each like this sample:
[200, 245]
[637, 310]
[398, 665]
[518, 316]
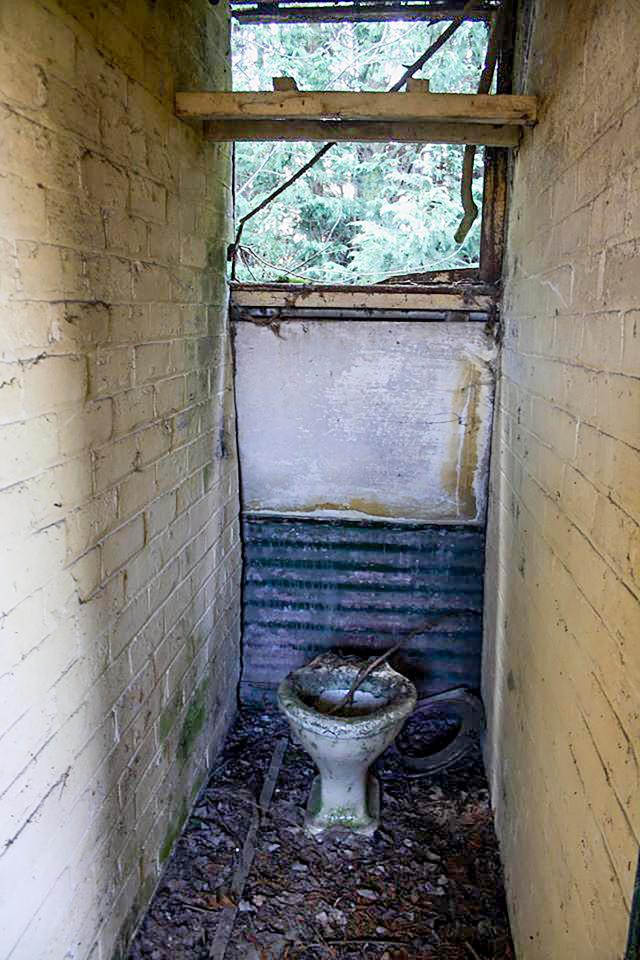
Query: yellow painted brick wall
[562, 651]
[120, 554]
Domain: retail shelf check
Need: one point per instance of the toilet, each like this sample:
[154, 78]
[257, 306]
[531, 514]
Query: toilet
[345, 743]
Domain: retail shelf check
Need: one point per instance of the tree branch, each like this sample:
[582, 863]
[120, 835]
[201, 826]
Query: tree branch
[466, 183]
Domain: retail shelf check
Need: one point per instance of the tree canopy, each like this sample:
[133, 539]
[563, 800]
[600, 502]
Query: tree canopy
[368, 210]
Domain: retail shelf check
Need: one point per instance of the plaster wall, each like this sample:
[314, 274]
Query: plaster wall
[562, 590]
[365, 418]
[120, 550]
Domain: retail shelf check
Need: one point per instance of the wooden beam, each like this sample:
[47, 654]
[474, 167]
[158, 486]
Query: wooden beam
[331, 297]
[507, 48]
[284, 83]
[362, 132]
[496, 165]
[341, 105]
[418, 85]
[494, 211]
[441, 278]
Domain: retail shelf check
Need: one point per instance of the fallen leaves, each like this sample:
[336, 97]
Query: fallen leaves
[428, 884]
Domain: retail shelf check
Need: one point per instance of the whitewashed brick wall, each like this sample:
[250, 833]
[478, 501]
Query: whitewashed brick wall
[562, 657]
[120, 557]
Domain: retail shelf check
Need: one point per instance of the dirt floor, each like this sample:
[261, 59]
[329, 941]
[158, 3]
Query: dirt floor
[427, 885]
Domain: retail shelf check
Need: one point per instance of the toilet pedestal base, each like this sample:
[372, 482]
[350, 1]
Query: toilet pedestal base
[318, 819]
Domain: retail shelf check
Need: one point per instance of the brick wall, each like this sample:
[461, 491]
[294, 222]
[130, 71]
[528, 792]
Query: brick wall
[118, 474]
[562, 659]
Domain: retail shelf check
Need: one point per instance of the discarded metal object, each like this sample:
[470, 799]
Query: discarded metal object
[467, 712]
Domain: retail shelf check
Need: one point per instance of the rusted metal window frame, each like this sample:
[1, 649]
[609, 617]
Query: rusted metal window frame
[356, 11]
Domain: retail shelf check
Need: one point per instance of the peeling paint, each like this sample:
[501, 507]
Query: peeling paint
[366, 419]
[356, 508]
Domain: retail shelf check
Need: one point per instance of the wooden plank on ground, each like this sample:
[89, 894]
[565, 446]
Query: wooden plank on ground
[346, 105]
[226, 921]
[362, 132]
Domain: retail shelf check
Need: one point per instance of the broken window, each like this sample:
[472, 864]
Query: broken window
[367, 211]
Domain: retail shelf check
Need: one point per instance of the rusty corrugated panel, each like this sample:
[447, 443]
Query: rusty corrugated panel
[313, 585]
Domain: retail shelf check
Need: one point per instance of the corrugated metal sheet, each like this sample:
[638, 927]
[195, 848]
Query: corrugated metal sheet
[314, 585]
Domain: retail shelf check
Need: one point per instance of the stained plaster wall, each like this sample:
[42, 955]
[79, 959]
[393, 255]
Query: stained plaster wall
[562, 589]
[365, 418]
[118, 474]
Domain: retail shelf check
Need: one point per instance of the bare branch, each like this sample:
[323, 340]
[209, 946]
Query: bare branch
[466, 184]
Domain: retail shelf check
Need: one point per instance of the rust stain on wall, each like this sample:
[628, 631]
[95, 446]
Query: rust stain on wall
[460, 469]
[368, 507]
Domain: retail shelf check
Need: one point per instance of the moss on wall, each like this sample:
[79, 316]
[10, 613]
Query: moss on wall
[173, 831]
[194, 721]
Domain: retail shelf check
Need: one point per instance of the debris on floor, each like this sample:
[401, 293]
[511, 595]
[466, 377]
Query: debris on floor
[428, 884]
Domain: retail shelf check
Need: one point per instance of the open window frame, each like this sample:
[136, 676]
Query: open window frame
[495, 174]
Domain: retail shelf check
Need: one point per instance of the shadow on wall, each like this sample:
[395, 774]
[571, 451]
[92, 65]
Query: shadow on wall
[118, 468]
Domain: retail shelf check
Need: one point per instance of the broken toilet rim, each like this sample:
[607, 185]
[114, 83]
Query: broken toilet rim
[331, 671]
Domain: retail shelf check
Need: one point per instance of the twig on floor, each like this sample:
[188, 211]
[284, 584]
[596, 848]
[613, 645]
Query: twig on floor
[238, 798]
[215, 822]
[323, 941]
[375, 941]
[192, 906]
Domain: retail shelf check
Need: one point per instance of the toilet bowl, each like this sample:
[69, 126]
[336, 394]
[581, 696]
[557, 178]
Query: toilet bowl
[344, 744]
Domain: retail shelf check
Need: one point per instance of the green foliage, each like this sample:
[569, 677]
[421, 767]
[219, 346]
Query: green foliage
[366, 211]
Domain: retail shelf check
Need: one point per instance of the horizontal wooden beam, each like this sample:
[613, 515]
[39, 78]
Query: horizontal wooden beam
[349, 12]
[365, 131]
[345, 105]
[332, 297]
